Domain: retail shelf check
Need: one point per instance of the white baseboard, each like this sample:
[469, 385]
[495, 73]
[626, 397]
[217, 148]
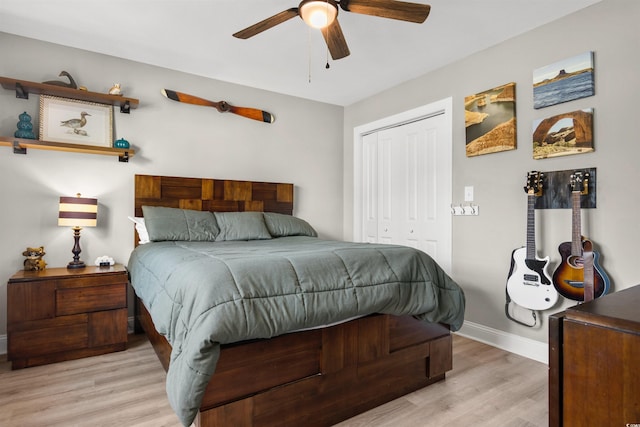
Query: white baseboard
[526, 347]
[521, 346]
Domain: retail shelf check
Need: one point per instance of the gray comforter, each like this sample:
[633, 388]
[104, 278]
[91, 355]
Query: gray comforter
[203, 294]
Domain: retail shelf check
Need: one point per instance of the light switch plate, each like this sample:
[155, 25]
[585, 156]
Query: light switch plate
[468, 194]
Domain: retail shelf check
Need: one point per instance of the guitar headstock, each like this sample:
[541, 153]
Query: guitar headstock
[534, 183]
[579, 182]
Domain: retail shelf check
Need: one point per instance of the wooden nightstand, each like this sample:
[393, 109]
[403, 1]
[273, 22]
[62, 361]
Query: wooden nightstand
[61, 314]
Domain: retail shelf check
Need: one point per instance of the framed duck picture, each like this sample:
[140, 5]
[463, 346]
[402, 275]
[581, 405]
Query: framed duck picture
[74, 121]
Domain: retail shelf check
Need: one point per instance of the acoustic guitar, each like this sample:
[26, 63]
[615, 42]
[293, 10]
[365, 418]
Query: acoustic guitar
[529, 284]
[568, 278]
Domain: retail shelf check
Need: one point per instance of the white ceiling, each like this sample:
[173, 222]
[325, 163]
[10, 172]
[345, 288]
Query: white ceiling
[194, 36]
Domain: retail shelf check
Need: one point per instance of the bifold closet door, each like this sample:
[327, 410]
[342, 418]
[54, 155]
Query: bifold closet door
[406, 186]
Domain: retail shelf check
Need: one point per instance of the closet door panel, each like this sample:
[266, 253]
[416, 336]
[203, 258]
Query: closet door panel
[370, 188]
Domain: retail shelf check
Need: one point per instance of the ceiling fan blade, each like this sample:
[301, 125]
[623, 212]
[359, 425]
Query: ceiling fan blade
[335, 41]
[267, 23]
[403, 11]
[221, 106]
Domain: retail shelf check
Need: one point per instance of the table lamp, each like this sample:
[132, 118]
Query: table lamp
[77, 212]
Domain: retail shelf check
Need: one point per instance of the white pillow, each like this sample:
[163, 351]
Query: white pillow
[141, 228]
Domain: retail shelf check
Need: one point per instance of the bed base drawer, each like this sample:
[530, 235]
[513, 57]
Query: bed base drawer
[328, 398]
[318, 377]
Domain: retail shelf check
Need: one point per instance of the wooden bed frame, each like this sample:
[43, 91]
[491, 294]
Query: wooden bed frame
[316, 377]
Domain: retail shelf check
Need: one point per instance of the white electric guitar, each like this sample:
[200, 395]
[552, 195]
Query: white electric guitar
[529, 284]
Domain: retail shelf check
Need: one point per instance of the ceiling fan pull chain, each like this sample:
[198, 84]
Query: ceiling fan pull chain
[309, 50]
[327, 66]
[328, 29]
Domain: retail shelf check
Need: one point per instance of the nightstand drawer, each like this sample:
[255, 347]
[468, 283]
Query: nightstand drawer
[37, 342]
[107, 327]
[88, 299]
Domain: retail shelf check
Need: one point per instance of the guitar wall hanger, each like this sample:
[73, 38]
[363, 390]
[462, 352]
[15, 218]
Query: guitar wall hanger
[557, 192]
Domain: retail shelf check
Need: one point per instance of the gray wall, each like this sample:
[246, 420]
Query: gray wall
[482, 245]
[170, 139]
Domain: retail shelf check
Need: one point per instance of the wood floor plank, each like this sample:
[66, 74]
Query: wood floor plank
[487, 387]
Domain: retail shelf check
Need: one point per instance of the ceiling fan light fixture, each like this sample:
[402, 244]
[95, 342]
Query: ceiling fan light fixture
[318, 13]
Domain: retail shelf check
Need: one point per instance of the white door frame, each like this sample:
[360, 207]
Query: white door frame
[443, 106]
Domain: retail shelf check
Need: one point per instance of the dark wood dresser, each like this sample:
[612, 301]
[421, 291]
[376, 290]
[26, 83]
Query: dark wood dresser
[594, 362]
[61, 314]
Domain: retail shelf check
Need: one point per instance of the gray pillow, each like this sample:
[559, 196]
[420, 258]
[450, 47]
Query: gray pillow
[179, 224]
[241, 226]
[281, 225]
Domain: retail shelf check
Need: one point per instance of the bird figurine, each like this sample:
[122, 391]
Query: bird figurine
[72, 83]
[76, 124]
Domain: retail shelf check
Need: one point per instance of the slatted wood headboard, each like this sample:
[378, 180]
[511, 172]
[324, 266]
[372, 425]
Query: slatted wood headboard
[220, 195]
[204, 194]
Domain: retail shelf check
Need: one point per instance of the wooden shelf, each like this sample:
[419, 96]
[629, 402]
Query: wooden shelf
[23, 88]
[20, 146]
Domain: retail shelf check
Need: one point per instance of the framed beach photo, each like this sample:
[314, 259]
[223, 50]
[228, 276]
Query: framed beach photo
[74, 121]
[563, 81]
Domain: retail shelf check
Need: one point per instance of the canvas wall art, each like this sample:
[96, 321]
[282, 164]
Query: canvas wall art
[563, 134]
[490, 120]
[563, 81]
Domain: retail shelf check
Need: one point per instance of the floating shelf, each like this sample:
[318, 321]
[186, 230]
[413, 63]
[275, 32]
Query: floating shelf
[21, 145]
[23, 88]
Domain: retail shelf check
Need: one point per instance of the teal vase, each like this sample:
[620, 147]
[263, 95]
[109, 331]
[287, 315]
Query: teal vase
[25, 128]
[121, 143]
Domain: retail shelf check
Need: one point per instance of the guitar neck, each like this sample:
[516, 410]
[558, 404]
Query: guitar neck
[576, 226]
[531, 226]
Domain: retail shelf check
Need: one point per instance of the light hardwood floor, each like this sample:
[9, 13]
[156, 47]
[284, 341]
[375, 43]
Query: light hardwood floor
[487, 387]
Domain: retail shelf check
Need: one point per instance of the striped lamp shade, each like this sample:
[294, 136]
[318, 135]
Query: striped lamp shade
[78, 212]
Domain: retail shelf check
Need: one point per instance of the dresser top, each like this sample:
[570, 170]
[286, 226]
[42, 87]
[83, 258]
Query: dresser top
[63, 272]
[618, 309]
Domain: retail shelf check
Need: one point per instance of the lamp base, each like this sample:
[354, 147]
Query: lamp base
[76, 264]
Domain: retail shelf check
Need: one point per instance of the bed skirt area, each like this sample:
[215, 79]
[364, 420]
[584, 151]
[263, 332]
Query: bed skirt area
[317, 377]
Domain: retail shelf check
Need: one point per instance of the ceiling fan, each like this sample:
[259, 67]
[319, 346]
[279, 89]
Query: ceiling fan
[322, 14]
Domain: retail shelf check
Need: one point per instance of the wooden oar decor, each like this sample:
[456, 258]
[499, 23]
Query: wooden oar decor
[221, 106]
